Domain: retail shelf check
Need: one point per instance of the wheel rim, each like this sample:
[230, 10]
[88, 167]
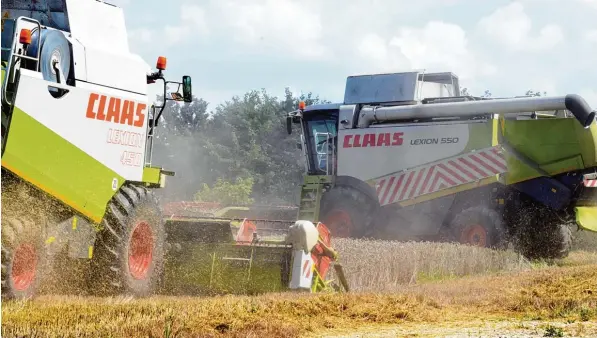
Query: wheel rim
[339, 223]
[140, 250]
[474, 235]
[24, 266]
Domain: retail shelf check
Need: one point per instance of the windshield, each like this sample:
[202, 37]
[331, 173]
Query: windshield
[321, 137]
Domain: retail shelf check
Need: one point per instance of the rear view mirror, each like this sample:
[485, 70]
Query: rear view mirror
[187, 92]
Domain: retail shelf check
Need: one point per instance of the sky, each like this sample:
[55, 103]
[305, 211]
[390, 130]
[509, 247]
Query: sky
[230, 47]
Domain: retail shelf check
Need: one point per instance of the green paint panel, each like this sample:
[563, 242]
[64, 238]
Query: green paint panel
[151, 175]
[556, 144]
[58, 167]
[480, 136]
[586, 217]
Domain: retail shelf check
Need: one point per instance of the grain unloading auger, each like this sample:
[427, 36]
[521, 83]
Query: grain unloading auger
[406, 157]
[213, 255]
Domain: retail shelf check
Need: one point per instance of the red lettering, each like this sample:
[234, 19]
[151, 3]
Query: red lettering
[92, 98]
[373, 140]
[397, 139]
[369, 140]
[346, 143]
[113, 110]
[128, 110]
[383, 140]
[102, 106]
[140, 115]
[119, 111]
[357, 141]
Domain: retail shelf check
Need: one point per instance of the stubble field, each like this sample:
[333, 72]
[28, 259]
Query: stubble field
[398, 289]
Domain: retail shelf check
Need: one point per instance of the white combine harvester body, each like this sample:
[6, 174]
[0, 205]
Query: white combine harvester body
[77, 132]
[107, 92]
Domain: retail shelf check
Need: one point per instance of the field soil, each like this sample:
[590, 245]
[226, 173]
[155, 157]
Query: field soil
[538, 301]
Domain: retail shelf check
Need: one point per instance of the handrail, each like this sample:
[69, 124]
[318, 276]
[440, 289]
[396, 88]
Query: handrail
[13, 57]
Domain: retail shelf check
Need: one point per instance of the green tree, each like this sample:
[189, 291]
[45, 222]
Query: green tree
[535, 93]
[242, 137]
[225, 192]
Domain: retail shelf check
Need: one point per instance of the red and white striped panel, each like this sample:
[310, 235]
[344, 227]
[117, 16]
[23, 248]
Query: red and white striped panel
[590, 183]
[441, 175]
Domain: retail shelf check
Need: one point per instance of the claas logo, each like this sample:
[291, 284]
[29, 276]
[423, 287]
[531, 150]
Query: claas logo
[116, 110]
[373, 140]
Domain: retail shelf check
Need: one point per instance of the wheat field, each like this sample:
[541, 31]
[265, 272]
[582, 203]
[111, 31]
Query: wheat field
[376, 265]
[392, 283]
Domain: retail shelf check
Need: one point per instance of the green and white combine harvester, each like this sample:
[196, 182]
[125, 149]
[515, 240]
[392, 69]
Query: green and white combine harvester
[77, 174]
[406, 156]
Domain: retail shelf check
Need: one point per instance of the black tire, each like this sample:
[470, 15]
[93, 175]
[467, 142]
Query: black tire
[133, 211]
[479, 226]
[24, 258]
[544, 240]
[347, 212]
[537, 231]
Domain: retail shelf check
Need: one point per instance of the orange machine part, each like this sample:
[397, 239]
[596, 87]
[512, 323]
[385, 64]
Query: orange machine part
[322, 262]
[245, 232]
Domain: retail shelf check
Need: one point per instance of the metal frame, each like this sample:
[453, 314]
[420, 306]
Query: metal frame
[155, 120]
[13, 56]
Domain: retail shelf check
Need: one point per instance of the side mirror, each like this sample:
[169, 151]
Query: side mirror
[187, 92]
[289, 125]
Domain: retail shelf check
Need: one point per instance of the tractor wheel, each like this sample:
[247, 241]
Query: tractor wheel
[24, 260]
[544, 240]
[347, 212]
[129, 251]
[479, 226]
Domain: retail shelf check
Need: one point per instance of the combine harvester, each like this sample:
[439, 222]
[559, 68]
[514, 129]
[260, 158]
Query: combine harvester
[77, 138]
[480, 171]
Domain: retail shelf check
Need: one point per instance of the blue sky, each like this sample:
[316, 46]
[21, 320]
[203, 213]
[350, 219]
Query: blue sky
[232, 46]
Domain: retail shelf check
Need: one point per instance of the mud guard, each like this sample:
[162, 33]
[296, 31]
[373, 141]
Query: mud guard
[355, 183]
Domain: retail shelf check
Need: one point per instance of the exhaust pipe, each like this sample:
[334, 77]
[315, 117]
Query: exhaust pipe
[572, 102]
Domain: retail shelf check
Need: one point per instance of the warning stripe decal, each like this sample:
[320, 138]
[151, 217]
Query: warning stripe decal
[441, 175]
[590, 183]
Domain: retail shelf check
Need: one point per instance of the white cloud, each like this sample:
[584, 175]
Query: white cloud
[512, 27]
[440, 46]
[374, 47]
[591, 35]
[193, 22]
[322, 42]
[591, 3]
[436, 47]
[277, 24]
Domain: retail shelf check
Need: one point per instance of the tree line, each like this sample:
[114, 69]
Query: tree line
[239, 153]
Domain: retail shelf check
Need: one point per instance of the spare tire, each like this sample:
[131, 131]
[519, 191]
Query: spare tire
[54, 46]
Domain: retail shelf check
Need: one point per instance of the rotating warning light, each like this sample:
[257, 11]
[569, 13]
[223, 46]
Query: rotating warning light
[25, 36]
[161, 64]
[302, 105]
